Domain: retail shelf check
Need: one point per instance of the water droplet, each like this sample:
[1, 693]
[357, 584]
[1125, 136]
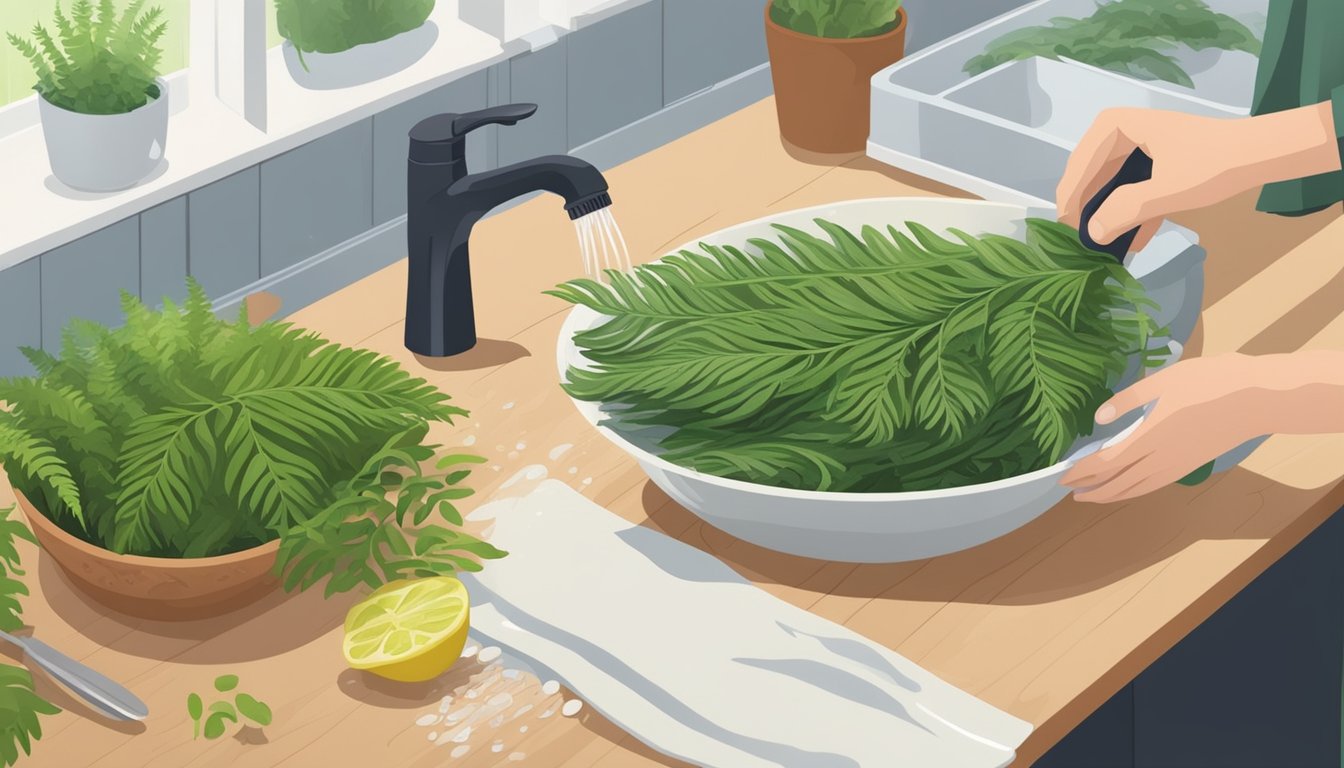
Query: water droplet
[461, 750]
[508, 406]
[550, 687]
[517, 757]
[498, 746]
[469, 440]
[571, 708]
[470, 651]
[560, 450]
[511, 674]
[433, 735]
[461, 736]
[488, 655]
[430, 719]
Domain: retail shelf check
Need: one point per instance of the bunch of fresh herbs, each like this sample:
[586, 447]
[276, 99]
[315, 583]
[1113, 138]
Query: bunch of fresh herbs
[867, 362]
[332, 26]
[1133, 37]
[20, 706]
[181, 434]
[99, 62]
[836, 18]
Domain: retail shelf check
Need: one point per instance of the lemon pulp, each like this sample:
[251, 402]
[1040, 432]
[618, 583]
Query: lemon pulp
[410, 630]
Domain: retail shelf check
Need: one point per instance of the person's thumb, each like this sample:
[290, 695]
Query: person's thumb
[1128, 207]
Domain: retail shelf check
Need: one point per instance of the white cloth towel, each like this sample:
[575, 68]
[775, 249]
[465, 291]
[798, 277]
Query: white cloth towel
[678, 649]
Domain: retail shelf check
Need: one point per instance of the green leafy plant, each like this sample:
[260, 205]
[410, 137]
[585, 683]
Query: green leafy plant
[99, 62]
[332, 26]
[184, 435]
[1133, 37]
[20, 706]
[836, 18]
[867, 362]
[211, 720]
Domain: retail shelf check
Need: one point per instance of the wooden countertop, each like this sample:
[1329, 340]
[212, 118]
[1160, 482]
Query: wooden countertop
[1046, 623]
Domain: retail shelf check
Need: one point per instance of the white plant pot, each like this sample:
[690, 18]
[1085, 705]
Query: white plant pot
[105, 153]
[361, 64]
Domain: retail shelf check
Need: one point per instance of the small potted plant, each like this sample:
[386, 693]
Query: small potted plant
[340, 43]
[103, 107]
[182, 465]
[823, 55]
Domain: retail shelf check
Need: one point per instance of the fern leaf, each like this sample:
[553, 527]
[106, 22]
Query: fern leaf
[39, 462]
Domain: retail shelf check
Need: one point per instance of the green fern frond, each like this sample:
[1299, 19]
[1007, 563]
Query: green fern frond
[885, 352]
[32, 460]
[181, 434]
[94, 63]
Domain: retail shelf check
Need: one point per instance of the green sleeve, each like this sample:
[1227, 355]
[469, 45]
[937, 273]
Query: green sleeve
[1301, 63]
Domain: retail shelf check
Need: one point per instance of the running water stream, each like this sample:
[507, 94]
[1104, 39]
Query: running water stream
[602, 244]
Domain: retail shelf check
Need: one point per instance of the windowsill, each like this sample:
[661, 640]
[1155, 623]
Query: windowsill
[207, 142]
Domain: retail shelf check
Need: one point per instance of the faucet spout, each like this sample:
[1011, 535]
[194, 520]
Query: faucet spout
[444, 203]
[580, 184]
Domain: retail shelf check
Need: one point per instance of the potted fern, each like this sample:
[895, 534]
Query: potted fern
[103, 107]
[823, 54]
[340, 43]
[182, 465]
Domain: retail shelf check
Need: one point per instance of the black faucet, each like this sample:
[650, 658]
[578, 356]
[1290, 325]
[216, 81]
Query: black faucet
[444, 202]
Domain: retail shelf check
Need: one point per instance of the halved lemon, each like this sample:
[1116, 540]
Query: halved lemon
[410, 631]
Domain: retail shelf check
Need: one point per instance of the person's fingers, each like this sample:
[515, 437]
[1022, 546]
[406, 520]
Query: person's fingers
[1133, 397]
[1145, 236]
[1103, 146]
[1130, 206]
[1104, 465]
[1137, 479]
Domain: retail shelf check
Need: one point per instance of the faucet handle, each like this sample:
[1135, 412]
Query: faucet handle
[508, 114]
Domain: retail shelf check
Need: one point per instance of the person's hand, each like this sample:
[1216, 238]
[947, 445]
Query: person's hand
[1192, 157]
[1204, 408]
[1197, 161]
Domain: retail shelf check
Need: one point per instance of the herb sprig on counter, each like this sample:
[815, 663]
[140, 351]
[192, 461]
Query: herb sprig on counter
[876, 361]
[1132, 37]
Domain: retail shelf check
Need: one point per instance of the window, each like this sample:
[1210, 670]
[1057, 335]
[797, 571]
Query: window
[19, 16]
[273, 37]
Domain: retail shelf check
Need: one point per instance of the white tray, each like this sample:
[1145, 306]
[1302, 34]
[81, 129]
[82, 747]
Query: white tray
[1006, 133]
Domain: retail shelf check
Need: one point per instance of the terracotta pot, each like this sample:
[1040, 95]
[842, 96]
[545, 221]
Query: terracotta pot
[822, 85]
[159, 588]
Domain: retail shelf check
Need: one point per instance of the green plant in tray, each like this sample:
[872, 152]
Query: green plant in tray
[211, 720]
[20, 705]
[836, 18]
[99, 61]
[1133, 37]
[181, 434]
[870, 361]
[332, 26]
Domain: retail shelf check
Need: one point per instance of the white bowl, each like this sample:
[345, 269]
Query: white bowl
[893, 527]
